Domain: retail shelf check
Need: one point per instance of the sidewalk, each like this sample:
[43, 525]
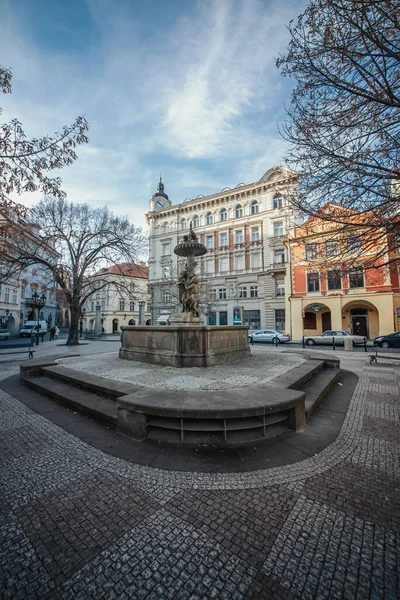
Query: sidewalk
[78, 523]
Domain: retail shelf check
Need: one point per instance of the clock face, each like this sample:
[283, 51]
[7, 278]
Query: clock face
[159, 203]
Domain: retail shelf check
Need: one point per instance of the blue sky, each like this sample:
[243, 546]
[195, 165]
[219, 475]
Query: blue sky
[186, 89]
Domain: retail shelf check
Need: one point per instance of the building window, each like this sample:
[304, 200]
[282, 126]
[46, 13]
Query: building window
[224, 264]
[103, 305]
[165, 227]
[148, 308]
[213, 294]
[14, 297]
[252, 319]
[239, 237]
[280, 287]
[310, 320]
[280, 320]
[311, 251]
[255, 234]
[243, 292]
[121, 304]
[92, 306]
[313, 282]
[334, 280]
[222, 293]
[23, 288]
[223, 215]
[239, 262]
[212, 318]
[278, 229]
[196, 221]
[277, 201]
[209, 265]
[7, 295]
[183, 224]
[332, 248]
[279, 256]
[256, 260]
[254, 291]
[255, 207]
[131, 287]
[209, 242]
[223, 317]
[131, 306]
[166, 296]
[356, 278]
[239, 211]
[223, 239]
[353, 243]
[209, 218]
[166, 249]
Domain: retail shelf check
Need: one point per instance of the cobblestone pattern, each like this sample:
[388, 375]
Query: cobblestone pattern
[77, 523]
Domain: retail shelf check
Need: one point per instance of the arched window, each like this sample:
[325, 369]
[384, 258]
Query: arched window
[277, 201]
[223, 214]
[239, 211]
[196, 221]
[165, 228]
[209, 218]
[255, 207]
[183, 224]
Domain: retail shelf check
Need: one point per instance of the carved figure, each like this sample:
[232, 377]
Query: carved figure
[192, 301]
[182, 282]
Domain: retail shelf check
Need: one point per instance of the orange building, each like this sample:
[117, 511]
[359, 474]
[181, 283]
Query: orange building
[343, 275]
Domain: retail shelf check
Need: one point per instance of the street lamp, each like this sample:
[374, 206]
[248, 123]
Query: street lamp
[38, 302]
[82, 316]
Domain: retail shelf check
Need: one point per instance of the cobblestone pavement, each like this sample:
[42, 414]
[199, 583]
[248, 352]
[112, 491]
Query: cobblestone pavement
[78, 523]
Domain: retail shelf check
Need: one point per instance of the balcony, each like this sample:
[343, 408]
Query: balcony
[277, 267]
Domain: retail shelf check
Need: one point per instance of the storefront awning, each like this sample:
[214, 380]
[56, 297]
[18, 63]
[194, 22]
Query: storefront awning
[163, 318]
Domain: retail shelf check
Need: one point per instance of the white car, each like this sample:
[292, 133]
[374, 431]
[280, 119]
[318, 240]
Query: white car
[269, 335]
[327, 338]
[4, 334]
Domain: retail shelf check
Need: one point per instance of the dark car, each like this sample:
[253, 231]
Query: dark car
[388, 341]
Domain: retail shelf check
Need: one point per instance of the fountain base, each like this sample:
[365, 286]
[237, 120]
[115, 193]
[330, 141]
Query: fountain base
[185, 345]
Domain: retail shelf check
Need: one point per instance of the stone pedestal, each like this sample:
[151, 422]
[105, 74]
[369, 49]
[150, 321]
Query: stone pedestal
[185, 319]
[186, 345]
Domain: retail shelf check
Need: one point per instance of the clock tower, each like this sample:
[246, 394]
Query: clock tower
[160, 199]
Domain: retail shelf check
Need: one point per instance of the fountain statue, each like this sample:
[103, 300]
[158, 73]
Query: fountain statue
[186, 342]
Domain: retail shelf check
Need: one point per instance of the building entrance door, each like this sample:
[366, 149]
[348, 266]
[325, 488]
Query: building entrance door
[359, 325]
[326, 321]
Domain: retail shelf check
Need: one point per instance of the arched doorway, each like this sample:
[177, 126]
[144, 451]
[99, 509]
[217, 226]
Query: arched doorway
[115, 325]
[316, 319]
[132, 322]
[361, 318]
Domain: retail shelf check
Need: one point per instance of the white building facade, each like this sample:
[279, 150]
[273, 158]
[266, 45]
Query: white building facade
[244, 231]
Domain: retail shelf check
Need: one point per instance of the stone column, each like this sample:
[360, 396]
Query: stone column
[141, 312]
[97, 321]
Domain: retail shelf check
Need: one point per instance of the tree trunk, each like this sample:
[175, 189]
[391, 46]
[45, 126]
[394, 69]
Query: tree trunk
[73, 334]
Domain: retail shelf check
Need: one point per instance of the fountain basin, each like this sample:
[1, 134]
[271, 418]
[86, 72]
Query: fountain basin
[188, 346]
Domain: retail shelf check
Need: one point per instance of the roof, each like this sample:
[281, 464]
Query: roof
[129, 270]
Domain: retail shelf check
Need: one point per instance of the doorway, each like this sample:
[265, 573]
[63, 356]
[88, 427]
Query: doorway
[326, 321]
[115, 326]
[359, 325]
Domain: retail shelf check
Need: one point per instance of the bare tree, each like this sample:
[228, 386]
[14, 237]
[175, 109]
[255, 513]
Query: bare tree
[344, 118]
[24, 163]
[74, 242]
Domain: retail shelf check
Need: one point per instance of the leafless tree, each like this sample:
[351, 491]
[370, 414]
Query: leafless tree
[73, 242]
[25, 163]
[344, 118]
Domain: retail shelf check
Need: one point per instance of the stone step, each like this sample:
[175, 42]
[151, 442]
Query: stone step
[317, 388]
[100, 408]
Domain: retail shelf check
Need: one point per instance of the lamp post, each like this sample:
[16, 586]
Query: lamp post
[38, 302]
[82, 316]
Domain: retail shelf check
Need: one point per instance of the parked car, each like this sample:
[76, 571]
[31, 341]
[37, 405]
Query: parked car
[269, 335]
[326, 338]
[388, 341]
[32, 326]
[4, 334]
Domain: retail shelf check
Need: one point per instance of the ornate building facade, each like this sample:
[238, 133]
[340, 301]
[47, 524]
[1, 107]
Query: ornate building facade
[243, 272]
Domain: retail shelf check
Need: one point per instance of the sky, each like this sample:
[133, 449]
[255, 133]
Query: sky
[185, 89]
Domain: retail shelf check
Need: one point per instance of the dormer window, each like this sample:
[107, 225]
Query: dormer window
[239, 211]
[255, 207]
[223, 215]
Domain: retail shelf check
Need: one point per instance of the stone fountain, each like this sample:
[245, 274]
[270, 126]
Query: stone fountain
[186, 342]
